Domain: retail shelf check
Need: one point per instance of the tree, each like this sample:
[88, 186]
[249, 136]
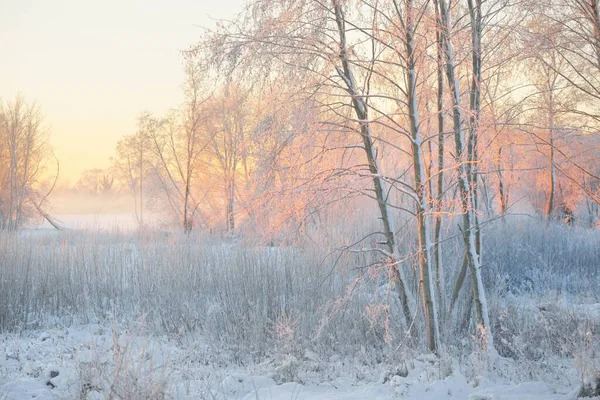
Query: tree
[24, 151]
[165, 155]
[360, 105]
[229, 138]
[466, 156]
[576, 48]
[132, 163]
[579, 50]
[426, 275]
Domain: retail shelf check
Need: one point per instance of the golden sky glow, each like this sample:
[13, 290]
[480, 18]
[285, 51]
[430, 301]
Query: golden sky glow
[94, 65]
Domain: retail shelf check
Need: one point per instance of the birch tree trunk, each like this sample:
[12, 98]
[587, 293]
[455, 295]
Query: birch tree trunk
[475, 108]
[437, 252]
[141, 166]
[425, 270]
[361, 109]
[230, 205]
[466, 193]
[502, 191]
[552, 177]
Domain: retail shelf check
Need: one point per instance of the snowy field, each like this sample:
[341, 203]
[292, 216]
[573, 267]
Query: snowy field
[100, 315]
[96, 362]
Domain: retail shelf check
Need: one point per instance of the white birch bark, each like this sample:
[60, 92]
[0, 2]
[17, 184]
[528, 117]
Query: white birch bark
[423, 222]
[361, 110]
[467, 201]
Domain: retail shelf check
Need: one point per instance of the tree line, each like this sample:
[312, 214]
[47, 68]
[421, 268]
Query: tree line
[432, 109]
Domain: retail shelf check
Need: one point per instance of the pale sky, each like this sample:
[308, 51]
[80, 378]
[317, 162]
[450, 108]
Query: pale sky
[94, 65]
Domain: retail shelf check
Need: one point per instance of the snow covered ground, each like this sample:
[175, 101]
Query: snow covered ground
[230, 321]
[97, 362]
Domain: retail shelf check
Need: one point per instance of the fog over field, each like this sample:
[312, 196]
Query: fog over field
[293, 199]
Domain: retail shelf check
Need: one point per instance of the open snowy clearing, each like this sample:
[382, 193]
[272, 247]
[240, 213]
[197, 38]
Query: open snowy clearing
[96, 362]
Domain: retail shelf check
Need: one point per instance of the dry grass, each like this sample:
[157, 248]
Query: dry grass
[256, 300]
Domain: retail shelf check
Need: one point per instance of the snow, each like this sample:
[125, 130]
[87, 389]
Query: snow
[119, 358]
[524, 391]
[88, 361]
[591, 311]
[27, 388]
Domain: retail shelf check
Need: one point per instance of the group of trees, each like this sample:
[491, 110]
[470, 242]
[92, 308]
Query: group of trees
[372, 68]
[227, 154]
[434, 109]
[96, 181]
[171, 162]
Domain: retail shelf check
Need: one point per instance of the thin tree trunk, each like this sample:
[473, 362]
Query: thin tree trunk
[47, 216]
[475, 107]
[437, 251]
[187, 223]
[595, 16]
[502, 193]
[489, 209]
[141, 181]
[467, 201]
[425, 270]
[230, 205]
[13, 168]
[361, 110]
[552, 180]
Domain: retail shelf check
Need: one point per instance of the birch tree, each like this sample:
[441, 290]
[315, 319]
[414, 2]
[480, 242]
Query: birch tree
[440, 109]
[177, 143]
[579, 49]
[412, 16]
[465, 156]
[24, 150]
[361, 108]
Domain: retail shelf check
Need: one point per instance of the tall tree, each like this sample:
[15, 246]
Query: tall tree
[24, 150]
[361, 108]
[465, 155]
[409, 18]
